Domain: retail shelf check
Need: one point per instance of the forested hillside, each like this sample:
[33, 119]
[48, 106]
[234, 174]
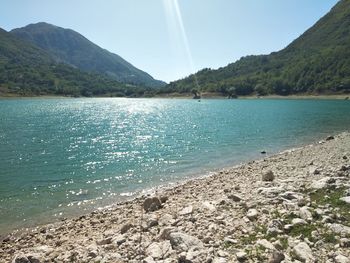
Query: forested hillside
[28, 70]
[317, 62]
[70, 47]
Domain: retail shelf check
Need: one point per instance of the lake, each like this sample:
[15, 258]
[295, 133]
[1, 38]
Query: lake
[62, 157]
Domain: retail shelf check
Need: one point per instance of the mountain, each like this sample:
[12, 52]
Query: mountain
[70, 47]
[26, 69]
[316, 62]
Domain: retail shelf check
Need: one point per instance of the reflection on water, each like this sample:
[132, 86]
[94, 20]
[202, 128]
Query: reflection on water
[61, 156]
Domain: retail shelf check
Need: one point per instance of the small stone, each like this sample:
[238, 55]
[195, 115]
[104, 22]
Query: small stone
[235, 197]
[345, 242]
[163, 199]
[230, 240]
[159, 250]
[241, 256]
[119, 239]
[305, 213]
[104, 241]
[21, 259]
[209, 206]
[219, 260]
[298, 222]
[92, 254]
[329, 138]
[166, 219]
[152, 204]
[252, 214]
[125, 228]
[268, 176]
[265, 244]
[321, 183]
[186, 211]
[276, 257]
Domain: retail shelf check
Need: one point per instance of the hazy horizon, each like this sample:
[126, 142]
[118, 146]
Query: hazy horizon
[171, 39]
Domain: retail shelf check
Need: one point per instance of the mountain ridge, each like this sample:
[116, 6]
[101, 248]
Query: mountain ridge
[316, 62]
[27, 70]
[70, 47]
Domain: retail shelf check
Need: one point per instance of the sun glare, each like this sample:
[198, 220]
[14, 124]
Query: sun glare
[177, 30]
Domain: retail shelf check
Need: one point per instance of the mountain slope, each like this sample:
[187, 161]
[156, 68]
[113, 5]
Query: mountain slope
[317, 62]
[70, 47]
[28, 70]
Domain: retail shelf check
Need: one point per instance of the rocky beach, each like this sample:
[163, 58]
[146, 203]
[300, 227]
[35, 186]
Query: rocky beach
[290, 207]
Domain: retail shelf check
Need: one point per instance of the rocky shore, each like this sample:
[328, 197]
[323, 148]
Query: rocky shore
[291, 207]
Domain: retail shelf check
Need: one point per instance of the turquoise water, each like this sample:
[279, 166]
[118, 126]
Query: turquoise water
[59, 157]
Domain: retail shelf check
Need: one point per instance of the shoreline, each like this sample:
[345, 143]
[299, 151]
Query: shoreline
[113, 234]
[204, 96]
[116, 201]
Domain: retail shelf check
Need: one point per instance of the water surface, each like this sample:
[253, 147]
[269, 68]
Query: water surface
[62, 156]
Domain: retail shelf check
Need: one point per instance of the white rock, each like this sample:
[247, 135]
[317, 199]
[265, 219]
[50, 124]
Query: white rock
[209, 206]
[241, 255]
[298, 222]
[341, 259]
[320, 183]
[166, 219]
[148, 260]
[219, 260]
[340, 229]
[303, 252]
[159, 250]
[186, 211]
[265, 244]
[305, 213]
[252, 214]
[346, 199]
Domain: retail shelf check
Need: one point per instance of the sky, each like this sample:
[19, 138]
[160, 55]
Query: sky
[171, 39]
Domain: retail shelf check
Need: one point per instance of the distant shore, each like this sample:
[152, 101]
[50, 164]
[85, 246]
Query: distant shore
[220, 96]
[203, 96]
[283, 207]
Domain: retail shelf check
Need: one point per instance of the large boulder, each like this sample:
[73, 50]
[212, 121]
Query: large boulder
[303, 252]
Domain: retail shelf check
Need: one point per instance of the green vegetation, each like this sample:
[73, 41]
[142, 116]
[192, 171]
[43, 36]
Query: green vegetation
[69, 47]
[27, 70]
[317, 62]
[331, 196]
[43, 59]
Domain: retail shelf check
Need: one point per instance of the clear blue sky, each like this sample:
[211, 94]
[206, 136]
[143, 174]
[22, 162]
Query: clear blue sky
[148, 33]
